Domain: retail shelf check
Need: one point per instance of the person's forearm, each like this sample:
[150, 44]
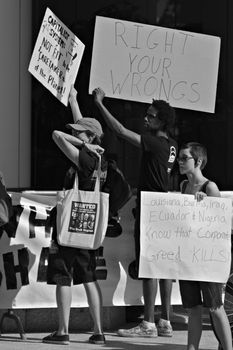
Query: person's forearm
[112, 122]
[59, 136]
[75, 109]
[64, 140]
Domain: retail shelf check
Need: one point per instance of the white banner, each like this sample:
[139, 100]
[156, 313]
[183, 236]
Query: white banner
[185, 239]
[24, 259]
[56, 57]
[139, 62]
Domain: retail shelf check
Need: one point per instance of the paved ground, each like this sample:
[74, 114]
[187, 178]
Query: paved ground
[79, 341]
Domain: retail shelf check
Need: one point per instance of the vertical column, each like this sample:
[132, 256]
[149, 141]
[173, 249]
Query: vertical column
[15, 100]
[25, 47]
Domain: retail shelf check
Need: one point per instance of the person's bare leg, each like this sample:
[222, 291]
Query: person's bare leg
[149, 294]
[222, 327]
[94, 297]
[64, 297]
[194, 327]
[147, 327]
[165, 293]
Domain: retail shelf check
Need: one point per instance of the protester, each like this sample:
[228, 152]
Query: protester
[158, 156]
[228, 295]
[6, 208]
[66, 263]
[195, 294]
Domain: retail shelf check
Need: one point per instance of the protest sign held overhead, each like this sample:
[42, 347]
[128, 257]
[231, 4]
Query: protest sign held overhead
[56, 57]
[184, 239]
[138, 62]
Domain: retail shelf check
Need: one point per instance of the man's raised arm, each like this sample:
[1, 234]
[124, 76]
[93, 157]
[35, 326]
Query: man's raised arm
[112, 122]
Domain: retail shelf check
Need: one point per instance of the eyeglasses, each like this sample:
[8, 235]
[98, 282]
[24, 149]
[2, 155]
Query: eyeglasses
[151, 115]
[183, 159]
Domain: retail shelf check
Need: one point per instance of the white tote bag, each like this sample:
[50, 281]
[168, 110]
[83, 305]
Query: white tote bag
[82, 216]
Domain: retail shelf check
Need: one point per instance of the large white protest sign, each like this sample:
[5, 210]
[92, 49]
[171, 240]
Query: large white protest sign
[138, 62]
[185, 239]
[56, 57]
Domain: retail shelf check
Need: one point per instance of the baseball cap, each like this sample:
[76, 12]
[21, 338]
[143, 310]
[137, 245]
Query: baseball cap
[85, 124]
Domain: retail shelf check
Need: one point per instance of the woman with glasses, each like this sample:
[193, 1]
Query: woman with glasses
[197, 294]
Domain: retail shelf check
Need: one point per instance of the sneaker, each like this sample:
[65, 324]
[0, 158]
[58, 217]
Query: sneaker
[97, 339]
[53, 338]
[139, 331]
[164, 328]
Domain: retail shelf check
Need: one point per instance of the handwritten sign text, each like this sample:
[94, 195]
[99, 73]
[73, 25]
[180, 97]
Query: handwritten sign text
[185, 239]
[56, 57]
[139, 62]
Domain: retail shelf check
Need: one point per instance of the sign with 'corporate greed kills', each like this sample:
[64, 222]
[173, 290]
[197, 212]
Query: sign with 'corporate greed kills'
[138, 62]
[56, 57]
[184, 239]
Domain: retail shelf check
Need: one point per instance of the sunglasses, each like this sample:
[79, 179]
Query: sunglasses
[183, 159]
[151, 115]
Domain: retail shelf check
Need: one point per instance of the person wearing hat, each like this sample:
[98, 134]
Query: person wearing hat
[68, 264]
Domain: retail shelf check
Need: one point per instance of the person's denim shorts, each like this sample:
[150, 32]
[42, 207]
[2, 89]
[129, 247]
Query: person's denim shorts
[194, 293]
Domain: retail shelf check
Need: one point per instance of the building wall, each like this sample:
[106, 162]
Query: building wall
[15, 92]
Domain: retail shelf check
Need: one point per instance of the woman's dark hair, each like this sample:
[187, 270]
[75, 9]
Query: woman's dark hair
[198, 151]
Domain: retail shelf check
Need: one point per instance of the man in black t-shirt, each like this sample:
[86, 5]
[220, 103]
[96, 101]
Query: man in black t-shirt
[159, 152]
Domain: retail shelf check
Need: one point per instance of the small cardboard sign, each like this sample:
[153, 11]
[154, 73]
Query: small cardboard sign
[56, 57]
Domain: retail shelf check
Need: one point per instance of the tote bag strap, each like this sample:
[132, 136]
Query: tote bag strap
[98, 175]
[97, 181]
[76, 181]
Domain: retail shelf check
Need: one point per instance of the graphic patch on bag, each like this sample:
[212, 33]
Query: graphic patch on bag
[83, 217]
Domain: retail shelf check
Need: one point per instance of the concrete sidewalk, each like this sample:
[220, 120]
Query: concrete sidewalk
[113, 342]
[80, 331]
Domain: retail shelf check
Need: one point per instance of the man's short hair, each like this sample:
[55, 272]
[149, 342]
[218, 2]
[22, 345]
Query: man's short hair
[166, 114]
[198, 151]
